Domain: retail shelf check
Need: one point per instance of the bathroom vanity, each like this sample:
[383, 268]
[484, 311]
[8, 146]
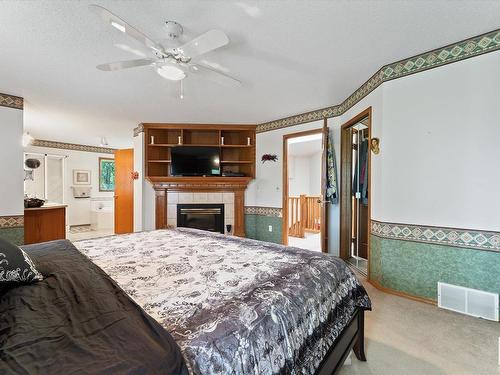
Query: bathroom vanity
[46, 223]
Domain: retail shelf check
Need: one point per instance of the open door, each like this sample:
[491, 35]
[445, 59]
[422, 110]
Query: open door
[124, 191]
[324, 202]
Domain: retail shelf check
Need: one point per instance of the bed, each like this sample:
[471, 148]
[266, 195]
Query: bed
[237, 306]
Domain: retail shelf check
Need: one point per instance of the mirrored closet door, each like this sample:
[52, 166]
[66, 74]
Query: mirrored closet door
[355, 191]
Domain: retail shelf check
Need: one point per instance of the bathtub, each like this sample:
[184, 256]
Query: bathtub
[102, 215]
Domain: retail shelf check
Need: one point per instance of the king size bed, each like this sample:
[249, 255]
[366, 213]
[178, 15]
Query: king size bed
[200, 302]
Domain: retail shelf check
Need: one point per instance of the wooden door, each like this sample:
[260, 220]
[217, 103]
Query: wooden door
[324, 202]
[124, 191]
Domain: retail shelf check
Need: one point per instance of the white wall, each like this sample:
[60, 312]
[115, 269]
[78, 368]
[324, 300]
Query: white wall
[78, 210]
[266, 189]
[440, 147]
[11, 164]
[304, 174]
[315, 173]
[299, 175]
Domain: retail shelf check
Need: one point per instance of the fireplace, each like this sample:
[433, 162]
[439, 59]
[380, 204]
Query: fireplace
[208, 217]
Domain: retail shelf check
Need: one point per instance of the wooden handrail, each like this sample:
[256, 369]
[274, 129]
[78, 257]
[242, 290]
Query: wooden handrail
[304, 214]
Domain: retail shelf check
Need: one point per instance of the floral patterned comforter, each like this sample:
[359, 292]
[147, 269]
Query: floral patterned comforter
[234, 306]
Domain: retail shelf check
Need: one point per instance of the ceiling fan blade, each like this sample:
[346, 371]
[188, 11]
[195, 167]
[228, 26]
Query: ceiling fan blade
[204, 43]
[214, 75]
[127, 48]
[126, 28]
[119, 65]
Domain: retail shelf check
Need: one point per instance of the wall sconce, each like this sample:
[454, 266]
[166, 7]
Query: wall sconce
[135, 175]
[27, 139]
[375, 145]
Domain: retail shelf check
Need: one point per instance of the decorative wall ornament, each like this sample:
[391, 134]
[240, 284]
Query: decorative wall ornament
[468, 238]
[375, 145]
[73, 146]
[81, 177]
[11, 101]
[269, 157]
[16, 221]
[138, 130]
[263, 211]
[455, 52]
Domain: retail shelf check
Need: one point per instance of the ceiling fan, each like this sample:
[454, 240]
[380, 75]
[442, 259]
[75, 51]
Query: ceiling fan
[173, 64]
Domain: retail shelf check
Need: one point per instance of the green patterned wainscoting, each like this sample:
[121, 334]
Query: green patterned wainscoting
[14, 235]
[257, 227]
[416, 267]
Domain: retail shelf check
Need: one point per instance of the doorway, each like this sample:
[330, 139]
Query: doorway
[304, 209]
[355, 191]
[45, 179]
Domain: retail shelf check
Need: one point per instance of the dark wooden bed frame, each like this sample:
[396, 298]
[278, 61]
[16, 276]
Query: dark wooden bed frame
[351, 338]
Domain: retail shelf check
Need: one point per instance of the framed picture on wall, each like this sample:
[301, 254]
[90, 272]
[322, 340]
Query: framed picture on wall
[106, 174]
[81, 177]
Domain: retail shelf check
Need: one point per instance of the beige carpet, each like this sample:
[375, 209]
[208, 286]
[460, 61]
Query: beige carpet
[405, 337]
[311, 241]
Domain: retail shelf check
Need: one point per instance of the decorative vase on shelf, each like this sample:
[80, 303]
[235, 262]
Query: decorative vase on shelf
[222, 141]
[179, 140]
[152, 139]
[248, 141]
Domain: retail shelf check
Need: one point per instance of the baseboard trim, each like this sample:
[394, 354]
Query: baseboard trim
[402, 294]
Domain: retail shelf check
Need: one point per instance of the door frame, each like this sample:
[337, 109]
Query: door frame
[346, 181]
[284, 226]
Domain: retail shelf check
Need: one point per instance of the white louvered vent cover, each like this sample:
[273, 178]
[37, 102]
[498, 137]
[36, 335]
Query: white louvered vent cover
[468, 301]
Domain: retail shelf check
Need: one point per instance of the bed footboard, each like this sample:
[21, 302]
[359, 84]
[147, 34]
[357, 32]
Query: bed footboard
[351, 338]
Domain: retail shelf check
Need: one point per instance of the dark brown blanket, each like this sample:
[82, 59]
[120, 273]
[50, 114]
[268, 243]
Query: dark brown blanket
[78, 321]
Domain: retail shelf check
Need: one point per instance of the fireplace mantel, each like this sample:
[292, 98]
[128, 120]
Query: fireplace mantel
[236, 185]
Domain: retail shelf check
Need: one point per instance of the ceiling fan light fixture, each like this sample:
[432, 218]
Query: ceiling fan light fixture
[118, 26]
[171, 72]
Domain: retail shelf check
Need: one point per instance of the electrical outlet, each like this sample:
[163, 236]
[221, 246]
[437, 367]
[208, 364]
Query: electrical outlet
[270, 228]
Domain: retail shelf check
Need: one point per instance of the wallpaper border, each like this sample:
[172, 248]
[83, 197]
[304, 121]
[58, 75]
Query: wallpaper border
[451, 53]
[467, 238]
[263, 211]
[12, 221]
[72, 146]
[458, 51]
[11, 101]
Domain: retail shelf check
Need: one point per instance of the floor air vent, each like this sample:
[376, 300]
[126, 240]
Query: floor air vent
[468, 301]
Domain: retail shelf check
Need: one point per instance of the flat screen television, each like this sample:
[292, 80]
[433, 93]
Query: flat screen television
[195, 161]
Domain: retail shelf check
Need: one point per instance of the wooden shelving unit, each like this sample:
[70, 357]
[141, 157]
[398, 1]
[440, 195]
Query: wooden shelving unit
[236, 143]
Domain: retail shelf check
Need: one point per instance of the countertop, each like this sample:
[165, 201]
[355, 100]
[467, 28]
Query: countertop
[47, 206]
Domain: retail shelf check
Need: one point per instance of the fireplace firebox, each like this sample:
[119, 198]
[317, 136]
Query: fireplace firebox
[209, 217]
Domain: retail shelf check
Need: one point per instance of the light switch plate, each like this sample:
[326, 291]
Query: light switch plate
[270, 228]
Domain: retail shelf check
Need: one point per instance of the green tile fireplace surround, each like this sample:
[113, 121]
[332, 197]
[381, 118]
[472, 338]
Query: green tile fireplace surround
[414, 267]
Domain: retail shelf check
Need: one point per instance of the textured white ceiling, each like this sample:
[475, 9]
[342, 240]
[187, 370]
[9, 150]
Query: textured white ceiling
[292, 56]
